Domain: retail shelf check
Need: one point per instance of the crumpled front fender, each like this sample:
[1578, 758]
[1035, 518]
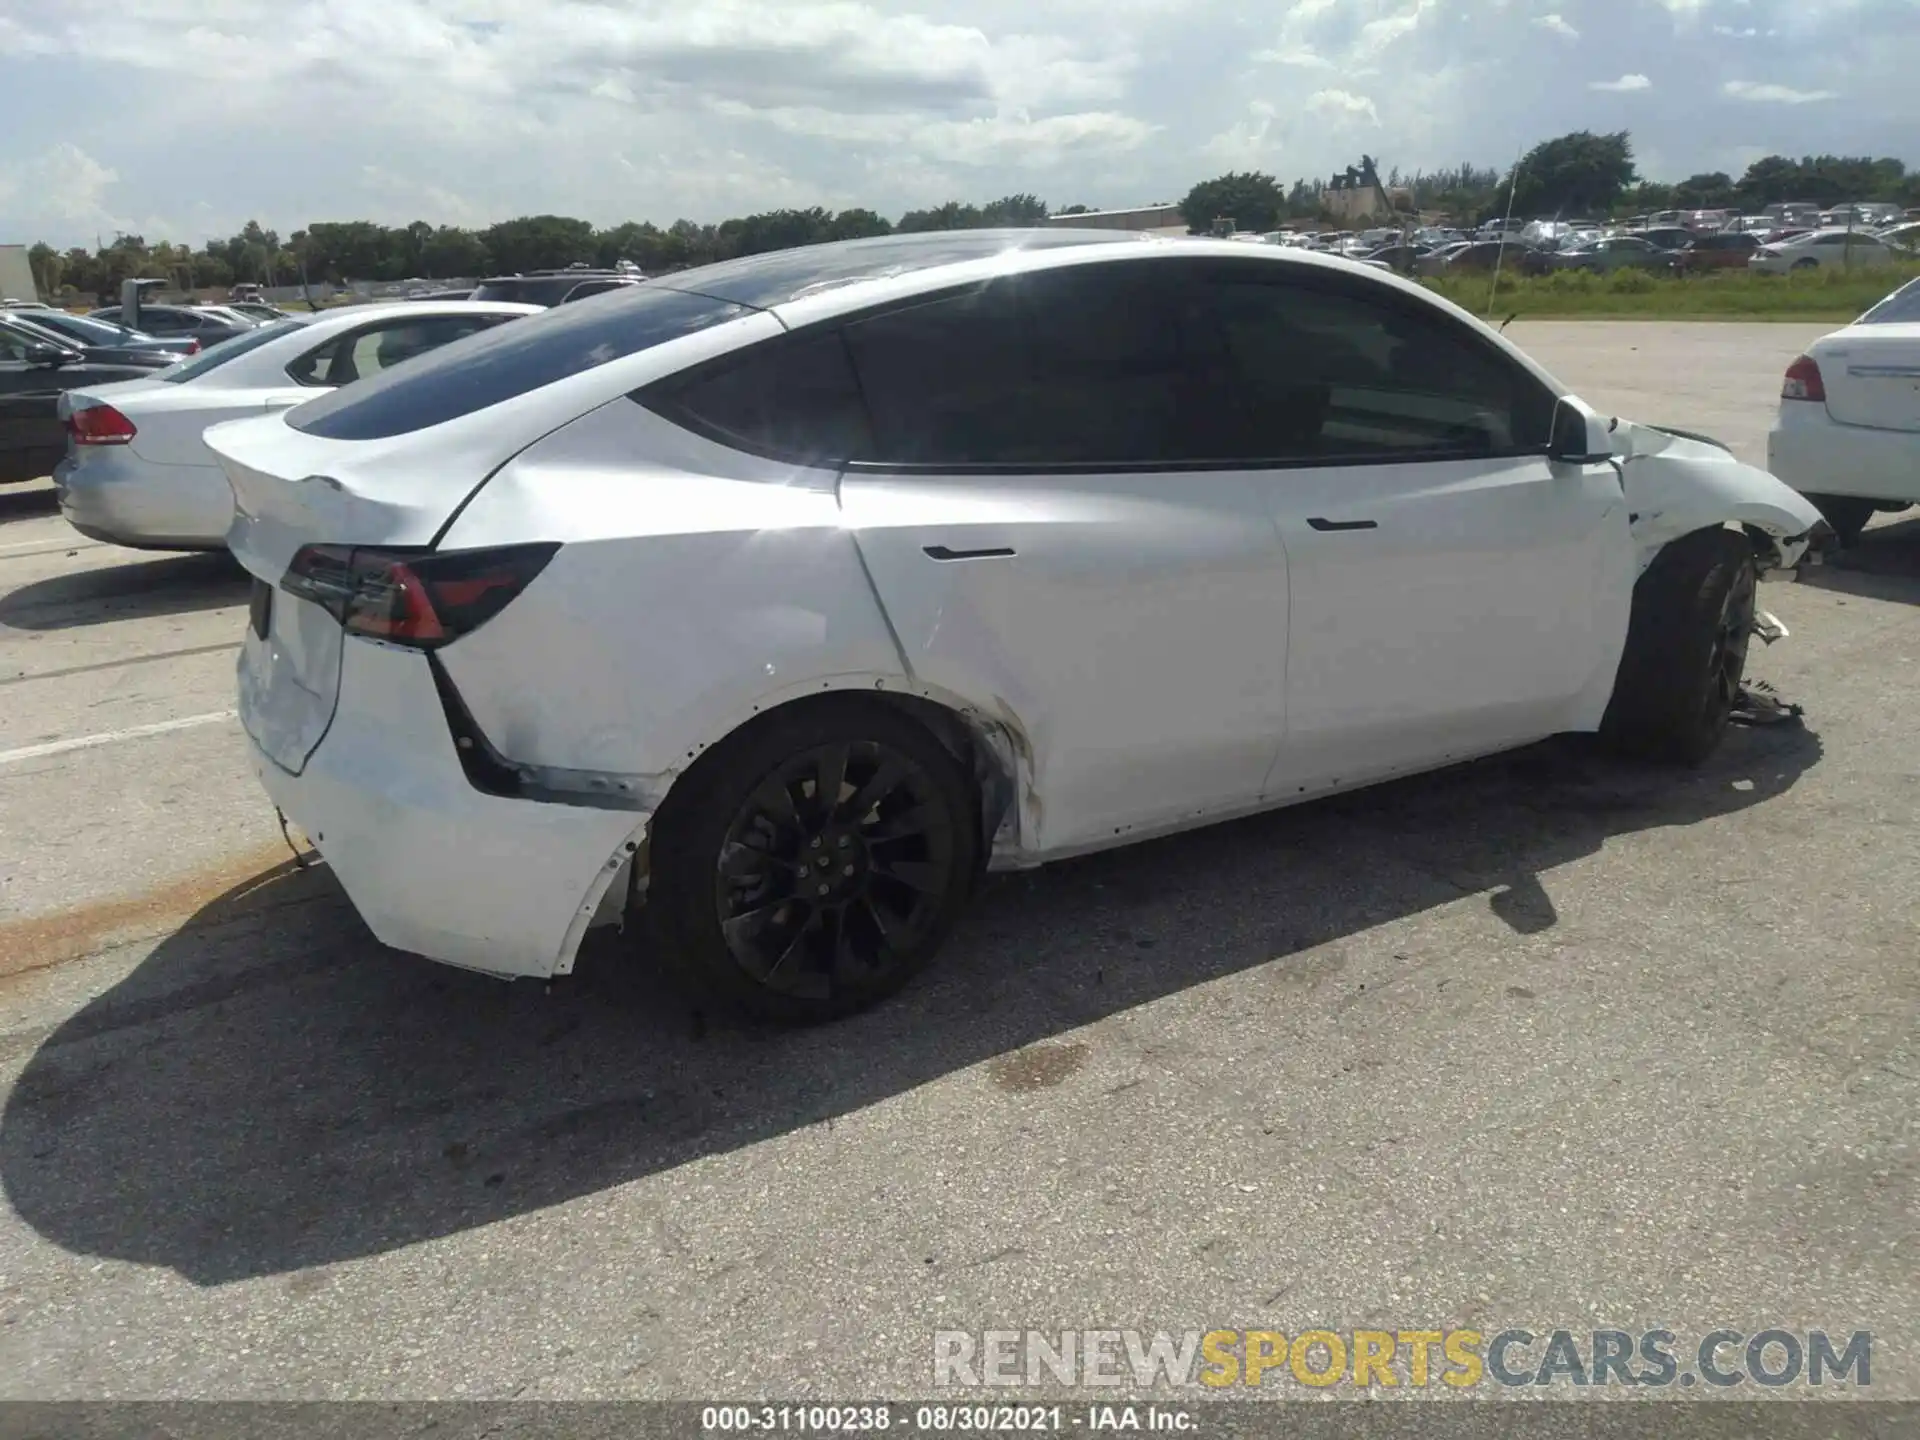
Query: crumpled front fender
[1677, 483]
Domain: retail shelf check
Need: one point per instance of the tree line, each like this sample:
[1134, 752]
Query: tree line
[1582, 174]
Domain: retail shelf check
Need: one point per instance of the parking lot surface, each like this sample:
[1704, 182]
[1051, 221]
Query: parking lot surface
[1544, 1041]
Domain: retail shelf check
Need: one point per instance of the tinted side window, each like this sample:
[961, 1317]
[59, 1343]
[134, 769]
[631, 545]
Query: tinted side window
[794, 399]
[1333, 372]
[1069, 367]
[508, 361]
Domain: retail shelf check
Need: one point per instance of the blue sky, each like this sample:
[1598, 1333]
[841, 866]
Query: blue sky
[181, 119]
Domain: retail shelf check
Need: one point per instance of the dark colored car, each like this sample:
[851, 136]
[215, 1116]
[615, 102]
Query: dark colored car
[1486, 254]
[1729, 250]
[34, 372]
[1398, 258]
[87, 333]
[179, 321]
[1618, 252]
[1667, 237]
[553, 287]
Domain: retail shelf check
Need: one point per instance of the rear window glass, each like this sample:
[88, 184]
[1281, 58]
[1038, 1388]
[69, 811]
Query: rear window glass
[544, 290]
[214, 356]
[1901, 307]
[508, 361]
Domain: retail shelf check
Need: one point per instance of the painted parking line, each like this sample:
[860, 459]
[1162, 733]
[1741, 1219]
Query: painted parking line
[113, 737]
[48, 547]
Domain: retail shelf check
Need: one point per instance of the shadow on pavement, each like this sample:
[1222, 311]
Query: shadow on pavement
[139, 590]
[1885, 565]
[272, 1090]
[20, 503]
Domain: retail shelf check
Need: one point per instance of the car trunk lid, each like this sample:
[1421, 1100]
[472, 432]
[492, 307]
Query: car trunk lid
[1872, 376]
[292, 490]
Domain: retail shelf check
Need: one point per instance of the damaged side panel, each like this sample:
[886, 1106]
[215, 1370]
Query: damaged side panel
[1676, 484]
[648, 679]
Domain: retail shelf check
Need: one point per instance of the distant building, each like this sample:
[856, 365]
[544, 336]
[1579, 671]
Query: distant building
[1154, 219]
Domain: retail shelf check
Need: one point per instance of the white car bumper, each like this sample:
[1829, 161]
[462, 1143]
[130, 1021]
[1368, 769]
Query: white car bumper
[433, 865]
[1817, 456]
[109, 493]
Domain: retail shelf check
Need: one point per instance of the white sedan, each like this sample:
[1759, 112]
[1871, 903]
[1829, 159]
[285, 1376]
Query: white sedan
[136, 471]
[777, 599]
[1848, 431]
[1821, 249]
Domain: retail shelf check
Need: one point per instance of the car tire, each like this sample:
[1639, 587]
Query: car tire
[1809, 263]
[1686, 652]
[765, 901]
[1847, 514]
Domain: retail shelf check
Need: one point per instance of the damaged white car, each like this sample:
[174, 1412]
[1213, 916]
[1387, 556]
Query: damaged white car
[780, 598]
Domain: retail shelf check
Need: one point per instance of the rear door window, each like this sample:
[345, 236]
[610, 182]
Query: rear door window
[1079, 367]
[508, 361]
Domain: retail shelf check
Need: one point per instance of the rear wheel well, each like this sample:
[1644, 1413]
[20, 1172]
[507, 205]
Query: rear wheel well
[969, 739]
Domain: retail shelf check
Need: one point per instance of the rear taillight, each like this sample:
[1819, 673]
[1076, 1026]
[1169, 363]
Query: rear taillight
[193, 347]
[1803, 381]
[99, 425]
[418, 598]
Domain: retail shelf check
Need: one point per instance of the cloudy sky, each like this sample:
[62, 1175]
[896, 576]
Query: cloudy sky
[183, 118]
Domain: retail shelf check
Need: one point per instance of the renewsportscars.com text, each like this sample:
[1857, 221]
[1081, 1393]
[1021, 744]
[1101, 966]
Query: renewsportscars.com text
[1720, 1360]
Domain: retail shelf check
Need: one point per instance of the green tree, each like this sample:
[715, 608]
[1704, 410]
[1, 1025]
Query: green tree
[1014, 210]
[954, 215]
[1713, 191]
[1578, 174]
[46, 264]
[1253, 201]
[539, 242]
[450, 252]
[858, 225]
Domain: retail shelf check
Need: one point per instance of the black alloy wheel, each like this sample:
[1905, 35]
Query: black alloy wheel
[813, 862]
[833, 866]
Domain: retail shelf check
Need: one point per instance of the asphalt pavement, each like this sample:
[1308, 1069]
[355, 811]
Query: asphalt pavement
[1546, 1041]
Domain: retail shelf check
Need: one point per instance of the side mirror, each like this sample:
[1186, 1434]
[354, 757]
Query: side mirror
[49, 357]
[1580, 436]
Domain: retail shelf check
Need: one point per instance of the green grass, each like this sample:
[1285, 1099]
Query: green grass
[1821, 295]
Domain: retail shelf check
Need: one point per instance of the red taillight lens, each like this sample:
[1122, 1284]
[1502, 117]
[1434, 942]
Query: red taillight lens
[416, 598]
[99, 425]
[193, 347]
[1803, 381]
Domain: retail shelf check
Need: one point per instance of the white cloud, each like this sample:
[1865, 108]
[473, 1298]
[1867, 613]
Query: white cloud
[1293, 55]
[1773, 94]
[1244, 145]
[1342, 102]
[1377, 35]
[471, 111]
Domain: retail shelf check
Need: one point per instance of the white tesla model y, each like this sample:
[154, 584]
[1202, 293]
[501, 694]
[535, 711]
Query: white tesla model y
[781, 597]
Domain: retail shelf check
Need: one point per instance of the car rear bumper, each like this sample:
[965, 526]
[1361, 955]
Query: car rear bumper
[1815, 455]
[111, 494]
[433, 865]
